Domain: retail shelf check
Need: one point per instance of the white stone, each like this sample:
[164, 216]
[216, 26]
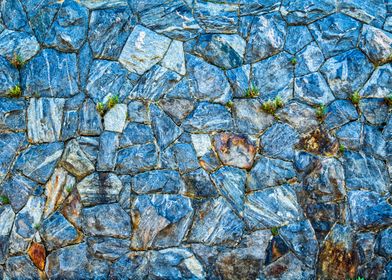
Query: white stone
[201, 143]
[174, 58]
[115, 118]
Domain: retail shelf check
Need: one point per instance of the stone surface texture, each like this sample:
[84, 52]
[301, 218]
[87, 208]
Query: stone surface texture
[196, 139]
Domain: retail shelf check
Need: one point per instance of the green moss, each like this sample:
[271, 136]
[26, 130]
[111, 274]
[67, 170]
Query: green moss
[17, 61]
[341, 148]
[321, 112]
[100, 108]
[294, 60]
[355, 98]
[230, 104]
[37, 226]
[15, 92]
[69, 189]
[270, 106]
[388, 100]
[4, 199]
[274, 231]
[252, 92]
[113, 100]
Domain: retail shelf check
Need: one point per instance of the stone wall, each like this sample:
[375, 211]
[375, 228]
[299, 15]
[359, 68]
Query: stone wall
[195, 139]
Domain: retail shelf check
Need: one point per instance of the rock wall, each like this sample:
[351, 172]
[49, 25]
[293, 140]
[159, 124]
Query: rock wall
[194, 139]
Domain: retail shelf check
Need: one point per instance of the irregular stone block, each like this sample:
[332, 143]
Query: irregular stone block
[12, 113]
[177, 109]
[370, 11]
[21, 267]
[308, 60]
[339, 113]
[114, 119]
[301, 116]
[181, 157]
[297, 38]
[375, 110]
[373, 142]
[45, 117]
[137, 158]
[18, 190]
[349, 135]
[137, 111]
[198, 184]
[108, 247]
[384, 245]
[313, 89]
[108, 143]
[378, 85]
[174, 58]
[9, 77]
[89, 119]
[10, 143]
[7, 217]
[103, 4]
[376, 44]
[76, 161]
[21, 43]
[14, 17]
[304, 12]
[70, 125]
[37, 254]
[239, 80]
[135, 133]
[162, 181]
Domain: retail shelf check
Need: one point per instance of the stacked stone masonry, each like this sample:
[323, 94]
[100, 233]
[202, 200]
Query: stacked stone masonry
[196, 139]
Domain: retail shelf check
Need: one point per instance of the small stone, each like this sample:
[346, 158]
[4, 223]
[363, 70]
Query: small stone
[313, 89]
[137, 111]
[217, 17]
[137, 158]
[162, 181]
[7, 217]
[99, 188]
[70, 125]
[373, 142]
[37, 254]
[301, 116]
[297, 38]
[384, 243]
[375, 110]
[174, 58]
[378, 85]
[136, 133]
[10, 143]
[376, 44]
[103, 4]
[21, 43]
[108, 143]
[21, 267]
[198, 184]
[235, 150]
[339, 113]
[76, 161]
[107, 220]
[14, 17]
[239, 80]
[369, 11]
[143, 49]
[305, 12]
[18, 190]
[177, 109]
[349, 135]
[9, 77]
[114, 119]
[182, 157]
[272, 207]
[269, 172]
[89, 119]
[12, 112]
[108, 247]
[308, 60]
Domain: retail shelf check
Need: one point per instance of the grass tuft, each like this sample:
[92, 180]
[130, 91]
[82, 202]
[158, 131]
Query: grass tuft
[15, 92]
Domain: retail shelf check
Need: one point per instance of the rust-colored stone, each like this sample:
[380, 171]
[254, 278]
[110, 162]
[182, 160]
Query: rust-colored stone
[72, 209]
[235, 150]
[37, 254]
[319, 142]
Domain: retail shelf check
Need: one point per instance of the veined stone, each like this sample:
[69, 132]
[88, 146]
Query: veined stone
[297, 38]
[21, 43]
[379, 83]
[9, 77]
[21, 267]
[136, 134]
[301, 116]
[14, 17]
[76, 161]
[103, 4]
[239, 79]
[301, 12]
[375, 110]
[143, 49]
[308, 60]
[10, 143]
[350, 134]
[108, 144]
[217, 17]
[177, 109]
[7, 219]
[376, 44]
[137, 111]
[89, 119]
[137, 158]
[12, 112]
[339, 113]
[45, 116]
[313, 89]
[174, 58]
[162, 181]
[370, 11]
[198, 184]
[201, 143]
[108, 247]
[115, 119]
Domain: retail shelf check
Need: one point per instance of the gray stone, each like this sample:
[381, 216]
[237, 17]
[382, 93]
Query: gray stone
[108, 143]
[339, 113]
[109, 30]
[297, 38]
[269, 172]
[12, 113]
[165, 130]
[18, 190]
[21, 267]
[181, 157]
[177, 109]
[304, 161]
[108, 248]
[143, 49]
[135, 133]
[9, 76]
[304, 12]
[174, 58]
[376, 44]
[266, 37]
[373, 142]
[70, 124]
[208, 117]
[349, 135]
[375, 110]
[6, 222]
[308, 60]
[370, 11]
[137, 111]
[365, 172]
[10, 143]
[76, 161]
[68, 31]
[365, 242]
[272, 207]
[207, 82]
[384, 243]
[347, 72]
[160, 220]
[216, 223]
[114, 119]
[335, 34]
[274, 77]
[89, 119]
[313, 89]
[198, 184]
[301, 116]
[107, 220]
[134, 265]
[99, 188]
[51, 74]
[230, 182]
[38, 161]
[57, 232]
[21, 43]
[369, 209]
[85, 60]
[162, 181]
[106, 79]
[379, 82]
[239, 80]
[137, 158]
[45, 117]
[279, 140]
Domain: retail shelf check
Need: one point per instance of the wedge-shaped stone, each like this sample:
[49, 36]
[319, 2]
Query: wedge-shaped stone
[21, 43]
[163, 181]
[376, 44]
[18, 189]
[137, 158]
[10, 143]
[115, 118]
[108, 247]
[76, 161]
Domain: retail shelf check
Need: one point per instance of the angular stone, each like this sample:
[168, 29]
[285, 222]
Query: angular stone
[208, 117]
[297, 38]
[20, 43]
[304, 161]
[14, 17]
[239, 80]
[137, 158]
[68, 31]
[9, 77]
[72, 209]
[10, 143]
[135, 133]
[6, 222]
[349, 135]
[137, 111]
[276, 249]
[301, 116]
[376, 44]
[108, 143]
[198, 184]
[279, 140]
[12, 113]
[108, 247]
[174, 58]
[369, 209]
[160, 220]
[373, 142]
[365, 171]
[45, 117]
[114, 119]
[335, 34]
[57, 232]
[207, 82]
[319, 141]
[177, 109]
[274, 76]
[370, 11]
[375, 110]
[143, 49]
[313, 89]
[38, 161]
[304, 12]
[18, 190]
[231, 183]
[76, 161]
[379, 82]
[173, 19]
[216, 17]
[103, 4]
[162, 181]
[339, 113]
[21, 267]
[165, 130]
[109, 30]
[99, 188]
[216, 223]
[384, 246]
[134, 265]
[37, 254]
[266, 37]
[85, 60]
[347, 72]
[308, 60]
[51, 74]
[269, 172]
[234, 149]
[107, 220]
[57, 189]
[106, 79]
[184, 157]
[249, 116]
[70, 125]
[89, 119]
[272, 207]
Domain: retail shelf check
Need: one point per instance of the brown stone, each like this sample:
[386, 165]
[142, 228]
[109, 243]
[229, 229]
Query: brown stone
[235, 150]
[72, 209]
[319, 142]
[37, 254]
